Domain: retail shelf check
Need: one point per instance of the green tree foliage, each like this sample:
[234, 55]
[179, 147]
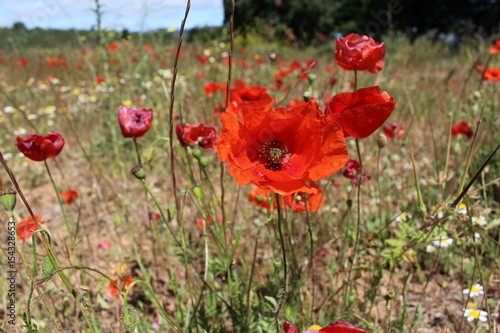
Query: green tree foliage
[310, 20]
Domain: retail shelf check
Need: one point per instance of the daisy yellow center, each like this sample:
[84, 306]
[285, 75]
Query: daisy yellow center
[475, 314]
[474, 289]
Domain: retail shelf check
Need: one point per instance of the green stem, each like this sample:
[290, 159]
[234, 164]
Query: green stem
[285, 267]
[60, 202]
[137, 151]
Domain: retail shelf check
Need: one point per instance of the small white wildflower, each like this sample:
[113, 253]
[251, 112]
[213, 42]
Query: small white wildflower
[7, 156]
[32, 116]
[442, 241]
[430, 248]
[479, 220]
[403, 218]
[462, 209]
[20, 131]
[477, 236]
[474, 291]
[475, 314]
[9, 109]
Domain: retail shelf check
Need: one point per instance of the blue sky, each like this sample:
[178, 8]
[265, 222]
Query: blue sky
[135, 15]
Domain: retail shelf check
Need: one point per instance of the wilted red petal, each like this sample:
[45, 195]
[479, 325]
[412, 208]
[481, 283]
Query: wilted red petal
[134, 122]
[39, 148]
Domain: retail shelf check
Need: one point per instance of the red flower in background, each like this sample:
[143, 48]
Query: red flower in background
[69, 195]
[260, 197]
[495, 48]
[39, 148]
[134, 123]
[360, 53]
[299, 200]
[113, 46]
[212, 87]
[22, 62]
[462, 128]
[100, 79]
[351, 171]
[124, 282]
[491, 74]
[281, 149]
[27, 226]
[394, 130]
[250, 96]
[199, 134]
[55, 62]
[201, 222]
[362, 112]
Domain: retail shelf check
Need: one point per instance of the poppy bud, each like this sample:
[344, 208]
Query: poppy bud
[8, 197]
[138, 172]
[389, 296]
[349, 203]
[311, 77]
[272, 56]
[128, 316]
[382, 140]
[196, 154]
[204, 161]
[307, 96]
[197, 192]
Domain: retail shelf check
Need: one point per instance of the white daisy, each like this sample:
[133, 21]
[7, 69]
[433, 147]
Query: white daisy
[403, 218]
[442, 241]
[430, 248]
[462, 209]
[475, 314]
[474, 291]
[479, 220]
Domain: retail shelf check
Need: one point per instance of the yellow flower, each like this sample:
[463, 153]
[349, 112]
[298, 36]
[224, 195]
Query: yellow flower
[314, 327]
[127, 102]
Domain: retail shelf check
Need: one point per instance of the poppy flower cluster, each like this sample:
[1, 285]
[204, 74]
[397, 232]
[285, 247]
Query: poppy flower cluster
[281, 149]
[134, 122]
[360, 53]
[198, 134]
[340, 326]
[39, 148]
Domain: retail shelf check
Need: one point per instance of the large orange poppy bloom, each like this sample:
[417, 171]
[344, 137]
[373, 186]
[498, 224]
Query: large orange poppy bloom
[362, 112]
[281, 149]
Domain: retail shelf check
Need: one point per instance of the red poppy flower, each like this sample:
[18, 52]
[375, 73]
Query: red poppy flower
[496, 47]
[201, 222]
[113, 46]
[134, 123]
[100, 79]
[55, 62]
[297, 201]
[204, 136]
[491, 74]
[39, 148]
[27, 226]
[360, 53]
[281, 149]
[362, 112]
[351, 171]
[213, 87]
[340, 326]
[462, 128]
[69, 195]
[22, 62]
[251, 96]
[394, 130]
[124, 282]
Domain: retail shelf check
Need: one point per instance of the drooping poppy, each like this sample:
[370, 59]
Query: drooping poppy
[254, 96]
[39, 148]
[491, 74]
[27, 226]
[124, 282]
[134, 123]
[462, 128]
[199, 134]
[69, 195]
[394, 130]
[495, 48]
[360, 53]
[312, 201]
[281, 149]
[362, 112]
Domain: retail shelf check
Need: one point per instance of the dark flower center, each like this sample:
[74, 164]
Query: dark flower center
[274, 155]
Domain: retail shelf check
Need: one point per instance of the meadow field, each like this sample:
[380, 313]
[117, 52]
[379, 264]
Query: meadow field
[395, 229]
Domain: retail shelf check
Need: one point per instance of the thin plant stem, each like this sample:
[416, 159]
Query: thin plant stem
[137, 151]
[59, 201]
[285, 267]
